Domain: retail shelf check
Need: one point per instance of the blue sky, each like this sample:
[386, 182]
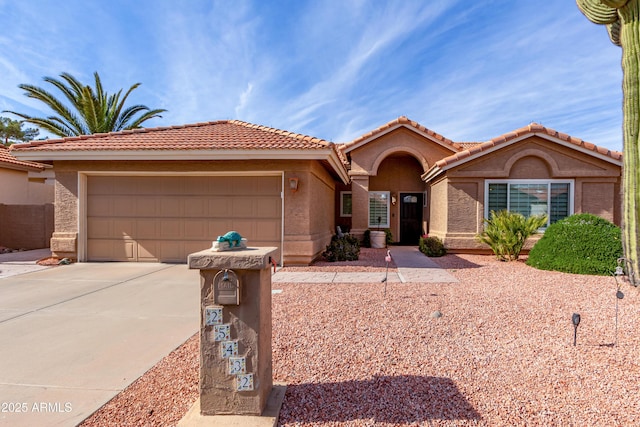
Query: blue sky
[334, 69]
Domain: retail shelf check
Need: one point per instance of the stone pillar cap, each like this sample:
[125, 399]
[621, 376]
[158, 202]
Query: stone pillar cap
[239, 259]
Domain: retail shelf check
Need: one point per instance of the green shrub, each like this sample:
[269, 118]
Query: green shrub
[581, 244]
[432, 246]
[345, 248]
[506, 232]
[388, 236]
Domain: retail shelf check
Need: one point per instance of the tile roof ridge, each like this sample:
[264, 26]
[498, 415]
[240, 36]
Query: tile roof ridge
[401, 120]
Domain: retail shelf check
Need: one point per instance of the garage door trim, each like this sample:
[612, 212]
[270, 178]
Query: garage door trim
[83, 196]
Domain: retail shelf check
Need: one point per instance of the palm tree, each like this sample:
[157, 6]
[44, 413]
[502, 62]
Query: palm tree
[91, 110]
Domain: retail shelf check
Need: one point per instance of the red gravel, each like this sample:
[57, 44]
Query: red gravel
[502, 354]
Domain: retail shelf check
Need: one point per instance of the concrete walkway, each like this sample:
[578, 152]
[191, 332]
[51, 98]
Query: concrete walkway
[74, 336]
[413, 267]
[15, 263]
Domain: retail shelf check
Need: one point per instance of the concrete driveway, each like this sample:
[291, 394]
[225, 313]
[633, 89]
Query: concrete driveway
[74, 336]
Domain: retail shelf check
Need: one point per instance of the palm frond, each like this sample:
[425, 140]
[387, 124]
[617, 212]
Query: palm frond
[88, 109]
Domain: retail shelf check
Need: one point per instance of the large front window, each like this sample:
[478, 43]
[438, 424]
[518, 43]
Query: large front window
[378, 209]
[530, 197]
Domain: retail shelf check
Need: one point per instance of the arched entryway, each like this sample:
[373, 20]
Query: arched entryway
[398, 178]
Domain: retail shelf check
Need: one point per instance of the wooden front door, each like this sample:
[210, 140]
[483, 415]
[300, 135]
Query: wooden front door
[410, 218]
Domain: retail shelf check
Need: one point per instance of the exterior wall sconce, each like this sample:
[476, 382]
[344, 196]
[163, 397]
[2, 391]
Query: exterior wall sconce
[293, 184]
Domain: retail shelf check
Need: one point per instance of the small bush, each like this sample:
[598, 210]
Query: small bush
[506, 232]
[345, 248]
[581, 244]
[388, 236]
[432, 246]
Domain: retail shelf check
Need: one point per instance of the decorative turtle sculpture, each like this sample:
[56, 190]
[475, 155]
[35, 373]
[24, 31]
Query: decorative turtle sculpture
[232, 237]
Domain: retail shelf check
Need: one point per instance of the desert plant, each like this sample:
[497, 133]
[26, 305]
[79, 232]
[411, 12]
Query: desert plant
[506, 232]
[432, 246]
[621, 18]
[342, 248]
[581, 244]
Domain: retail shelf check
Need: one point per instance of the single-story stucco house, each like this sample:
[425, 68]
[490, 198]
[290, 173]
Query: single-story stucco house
[159, 194]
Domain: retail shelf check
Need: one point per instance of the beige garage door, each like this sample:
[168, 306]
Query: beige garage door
[165, 218]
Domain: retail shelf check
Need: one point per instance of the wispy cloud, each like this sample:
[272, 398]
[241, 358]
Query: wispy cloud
[332, 69]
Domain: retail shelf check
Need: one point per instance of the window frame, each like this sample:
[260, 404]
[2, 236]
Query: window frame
[546, 182]
[343, 214]
[387, 196]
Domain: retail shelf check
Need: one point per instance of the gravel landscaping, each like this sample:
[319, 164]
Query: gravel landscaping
[502, 353]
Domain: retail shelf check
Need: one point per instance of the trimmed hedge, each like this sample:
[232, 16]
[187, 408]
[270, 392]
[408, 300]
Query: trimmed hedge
[580, 244]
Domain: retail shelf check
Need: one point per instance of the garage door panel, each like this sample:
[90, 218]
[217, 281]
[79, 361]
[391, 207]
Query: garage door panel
[269, 185]
[243, 208]
[146, 229]
[268, 207]
[244, 227]
[100, 205]
[171, 251]
[111, 250]
[267, 230]
[149, 185]
[165, 218]
[101, 185]
[172, 185]
[147, 250]
[220, 207]
[243, 185]
[218, 227]
[122, 206]
[195, 228]
[171, 229]
[171, 207]
[192, 246]
[123, 228]
[100, 227]
[222, 185]
[147, 207]
[196, 207]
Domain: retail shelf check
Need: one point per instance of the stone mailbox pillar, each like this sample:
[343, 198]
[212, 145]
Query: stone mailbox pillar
[235, 330]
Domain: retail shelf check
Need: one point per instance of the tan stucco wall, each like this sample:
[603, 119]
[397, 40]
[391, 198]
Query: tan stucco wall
[438, 209]
[308, 212]
[596, 186]
[17, 189]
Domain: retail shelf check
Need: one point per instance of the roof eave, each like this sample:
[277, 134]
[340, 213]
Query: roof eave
[328, 154]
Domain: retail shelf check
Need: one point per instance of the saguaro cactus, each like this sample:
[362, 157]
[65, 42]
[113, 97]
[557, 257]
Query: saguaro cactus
[622, 18]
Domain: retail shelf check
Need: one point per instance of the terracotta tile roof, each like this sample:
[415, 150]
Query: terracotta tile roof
[223, 134]
[467, 145]
[10, 162]
[533, 128]
[402, 120]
